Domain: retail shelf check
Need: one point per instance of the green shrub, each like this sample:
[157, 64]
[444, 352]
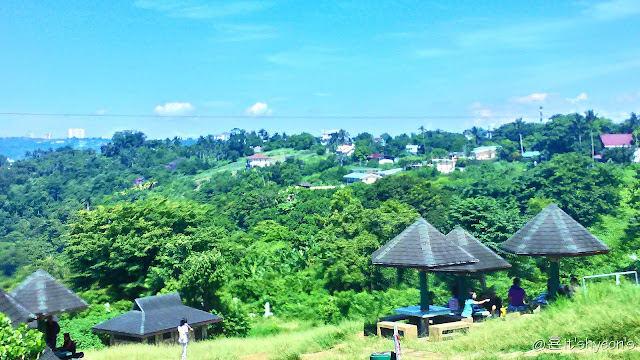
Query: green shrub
[20, 343]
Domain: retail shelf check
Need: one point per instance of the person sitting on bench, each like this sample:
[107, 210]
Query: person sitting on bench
[494, 305]
[453, 303]
[68, 349]
[468, 305]
[517, 296]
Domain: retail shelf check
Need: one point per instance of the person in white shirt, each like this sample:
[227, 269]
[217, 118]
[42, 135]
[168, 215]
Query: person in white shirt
[183, 330]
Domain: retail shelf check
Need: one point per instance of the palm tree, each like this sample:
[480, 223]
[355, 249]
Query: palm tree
[477, 133]
[578, 125]
[422, 131]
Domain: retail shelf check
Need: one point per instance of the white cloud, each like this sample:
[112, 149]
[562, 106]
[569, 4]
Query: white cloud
[531, 98]
[579, 98]
[196, 9]
[432, 53]
[259, 109]
[174, 108]
[613, 9]
[243, 32]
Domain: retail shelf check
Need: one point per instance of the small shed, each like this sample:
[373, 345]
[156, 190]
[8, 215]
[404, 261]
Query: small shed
[155, 320]
[43, 296]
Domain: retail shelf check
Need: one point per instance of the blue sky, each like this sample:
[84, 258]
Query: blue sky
[455, 63]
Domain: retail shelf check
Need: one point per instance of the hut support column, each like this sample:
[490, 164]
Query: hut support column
[462, 292]
[400, 276]
[424, 290]
[554, 278]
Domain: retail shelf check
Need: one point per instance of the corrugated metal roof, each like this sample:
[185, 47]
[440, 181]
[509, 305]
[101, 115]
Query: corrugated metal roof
[616, 139]
[487, 259]
[155, 315]
[554, 233]
[421, 246]
[42, 295]
[16, 312]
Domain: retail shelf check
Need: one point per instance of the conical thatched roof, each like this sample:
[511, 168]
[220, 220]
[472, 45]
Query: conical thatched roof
[421, 246]
[553, 233]
[487, 259]
[42, 295]
[16, 312]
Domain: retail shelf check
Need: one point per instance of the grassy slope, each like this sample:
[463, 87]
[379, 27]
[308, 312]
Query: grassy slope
[279, 155]
[608, 313]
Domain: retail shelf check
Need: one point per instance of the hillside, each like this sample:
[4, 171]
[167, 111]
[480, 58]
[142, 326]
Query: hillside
[581, 318]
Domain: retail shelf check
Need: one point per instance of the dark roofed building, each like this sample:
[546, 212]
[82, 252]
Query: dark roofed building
[421, 246]
[554, 233]
[16, 312]
[487, 259]
[42, 295]
[154, 320]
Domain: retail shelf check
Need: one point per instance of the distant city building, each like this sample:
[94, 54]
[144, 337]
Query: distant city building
[485, 152]
[47, 136]
[258, 160]
[222, 137]
[616, 140]
[413, 149]
[76, 133]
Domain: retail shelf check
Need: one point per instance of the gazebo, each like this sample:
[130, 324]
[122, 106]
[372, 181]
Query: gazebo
[16, 312]
[487, 259]
[554, 234]
[43, 296]
[421, 246]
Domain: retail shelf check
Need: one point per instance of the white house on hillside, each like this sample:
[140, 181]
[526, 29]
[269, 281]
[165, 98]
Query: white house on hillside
[258, 160]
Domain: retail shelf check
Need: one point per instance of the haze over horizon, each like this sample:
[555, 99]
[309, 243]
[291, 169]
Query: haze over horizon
[431, 64]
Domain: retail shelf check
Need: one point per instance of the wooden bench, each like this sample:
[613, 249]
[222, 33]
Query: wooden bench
[441, 331]
[407, 331]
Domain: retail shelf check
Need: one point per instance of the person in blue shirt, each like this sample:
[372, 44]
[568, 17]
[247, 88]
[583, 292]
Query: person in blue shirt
[467, 312]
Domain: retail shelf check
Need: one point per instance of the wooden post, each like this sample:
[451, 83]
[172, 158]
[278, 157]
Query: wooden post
[204, 332]
[462, 291]
[424, 290]
[400, 274]
[554, 278]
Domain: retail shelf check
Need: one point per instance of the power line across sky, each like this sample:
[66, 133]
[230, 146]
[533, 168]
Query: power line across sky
[156, 116]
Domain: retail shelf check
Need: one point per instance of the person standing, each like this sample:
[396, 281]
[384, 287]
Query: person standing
[183, 331]
[53, 329]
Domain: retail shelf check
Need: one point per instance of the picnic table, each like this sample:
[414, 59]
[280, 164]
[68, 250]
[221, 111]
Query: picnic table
[420, 317]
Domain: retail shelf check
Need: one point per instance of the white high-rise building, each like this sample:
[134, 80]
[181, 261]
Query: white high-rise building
[76, 133]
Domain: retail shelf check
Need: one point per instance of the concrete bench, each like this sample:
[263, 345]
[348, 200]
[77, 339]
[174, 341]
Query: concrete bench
[446, 330]
[407, 331]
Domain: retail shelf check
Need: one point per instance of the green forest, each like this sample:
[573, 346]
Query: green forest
[141, 217]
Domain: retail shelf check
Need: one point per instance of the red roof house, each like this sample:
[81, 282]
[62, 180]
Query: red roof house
[616, 140]
[375, 156]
